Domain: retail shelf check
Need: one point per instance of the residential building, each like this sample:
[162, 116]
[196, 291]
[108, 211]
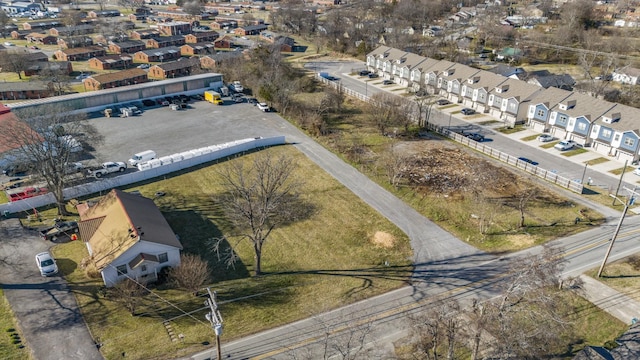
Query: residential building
[144, 34]
[37, 56]
[615, 134]
[82, 29]
[41, 25]
[546, 79]
[39, 38]
[475, 91]
[225, 42]
[626, 75]
[103, 13]
[509, 101]
[78, 54]
[69, 42]
[174, 69]
[51, 67]
[540, 109]
[157, 55]
[165, 41]
[24, 90]
[197, 49]
[572, 117]
[110, 62]
[121, 78]
[174, 28]
[128, 237]
[250, 30]
[128, 47]
[201, 36]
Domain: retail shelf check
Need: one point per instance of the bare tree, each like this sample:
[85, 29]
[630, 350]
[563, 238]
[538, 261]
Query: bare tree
[193, 8]
[4, 21]
[192, 273]
[14, 61]
[128, 293]
[424, 107]
[439, 327]
[394, 163]
[49, 137]
[523, 197]
[382, 110]
[258, 199]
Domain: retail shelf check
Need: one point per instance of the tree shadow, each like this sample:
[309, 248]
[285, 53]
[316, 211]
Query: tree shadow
[66, 266]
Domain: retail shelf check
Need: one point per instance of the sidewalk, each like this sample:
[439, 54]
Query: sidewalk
[615, 303]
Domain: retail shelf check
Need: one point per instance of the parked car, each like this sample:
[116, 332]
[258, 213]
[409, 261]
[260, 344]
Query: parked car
[545, 138]
[565, 145]
[476, 137]
[46, 264]
[467, 111]
[364, 72]
[61, 228]
[147, 102]
[373, 76]
[387, 82]
[264, 107]
[443, 102]
[252, 101]
[528, 161]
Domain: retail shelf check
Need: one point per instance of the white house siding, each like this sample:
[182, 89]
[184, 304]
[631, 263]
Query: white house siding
[109, 273]
[601, 148]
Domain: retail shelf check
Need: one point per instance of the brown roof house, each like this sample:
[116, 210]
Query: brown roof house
[35, 57]
[128, 47]
[116, 79]
[83, 29]
[110, 62]
[103, 13]
[164, 41]
[250, 30]
[69, 42]
[41, 25]
[203, 48]
[144, 34]
[201, 36]
[57, 67]
[174, 28]
[76, 54]
[174, 69]
[215, 60]
[39, 38]
[157, 55]
[24, 90]
[225, 42]
[127, 237]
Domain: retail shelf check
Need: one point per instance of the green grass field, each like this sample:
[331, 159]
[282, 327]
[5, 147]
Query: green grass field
[325, 261]
[11, 342]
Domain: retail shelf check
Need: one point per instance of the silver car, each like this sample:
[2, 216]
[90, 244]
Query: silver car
[46, 264]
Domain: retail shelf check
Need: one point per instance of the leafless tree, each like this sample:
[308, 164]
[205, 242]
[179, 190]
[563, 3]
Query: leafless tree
[49, 137]
[128, 293]
[193, 8]
[14, 61]
[424, 107]
[394, 163]
[258, 199]
[192, 273]
[4, 21]
[131, 4]
[58, 82]
[523, 197]
[438, 328]
[382, 110]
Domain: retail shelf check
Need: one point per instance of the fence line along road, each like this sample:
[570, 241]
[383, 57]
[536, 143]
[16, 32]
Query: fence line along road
[228, 149]
[547, 175]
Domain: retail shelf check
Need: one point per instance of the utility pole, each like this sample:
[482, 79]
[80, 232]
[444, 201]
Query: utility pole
[624, 170]
[629, 202]
[215, 319]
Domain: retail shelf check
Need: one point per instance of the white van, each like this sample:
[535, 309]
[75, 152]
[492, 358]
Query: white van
[141, 157]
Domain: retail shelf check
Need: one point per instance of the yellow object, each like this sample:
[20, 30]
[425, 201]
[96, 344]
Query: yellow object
[213, 97]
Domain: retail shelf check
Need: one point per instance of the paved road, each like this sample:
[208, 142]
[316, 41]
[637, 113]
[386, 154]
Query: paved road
[47, 312]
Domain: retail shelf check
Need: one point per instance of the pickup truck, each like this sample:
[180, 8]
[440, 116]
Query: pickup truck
[61, 228]
[107, 168]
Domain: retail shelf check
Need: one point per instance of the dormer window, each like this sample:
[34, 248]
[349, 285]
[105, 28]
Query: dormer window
[568, 105]
[473, 80]
[606, 120]
[449, 72]
[502, 89]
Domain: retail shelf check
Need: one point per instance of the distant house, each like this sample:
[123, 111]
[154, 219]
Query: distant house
[69, 42]
[116, 79]
[57, 67]
[24, 90]
[174, 69]
[197, 49]
[144, 34]
[224, 42]
[110, 62]
[20, 34]
[179, 15]
[157, 55]
[201, 36]
[628, 348]
[286, 43]
[103, 13]
[164, 41]
[508, 71]
[38, 56]
[626, 75]
[250, 30]
[545, 79]
[225, 24]
[128, 47]
[41, 25]
[17, 7]
[72, 30]
[215, 60]
[77, 54]
[39, 38]
[128, 237]
[174, 28]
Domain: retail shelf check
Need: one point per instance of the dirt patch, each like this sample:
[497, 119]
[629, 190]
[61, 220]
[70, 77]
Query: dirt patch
[383, 239]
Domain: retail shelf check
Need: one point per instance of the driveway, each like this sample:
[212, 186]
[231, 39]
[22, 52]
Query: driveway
[46, 309]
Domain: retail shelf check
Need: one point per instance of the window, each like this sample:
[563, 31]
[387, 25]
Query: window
[163, 258]
[629, 142]
[562, 119]
[582, 126]
[540, 113]
[617, 137]
[606, 133]
[122, 269]
[143, 268]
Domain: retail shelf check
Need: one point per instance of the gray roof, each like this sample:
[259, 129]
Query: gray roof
[486, 80]
[550, 97]
[460, 72]
[161, 51]
[628, 348]
[506, 70]
[627, 115]
[564, 81]
[585, 105]
[23, 86]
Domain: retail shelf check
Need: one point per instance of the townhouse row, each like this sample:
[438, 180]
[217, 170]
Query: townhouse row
[608, 128]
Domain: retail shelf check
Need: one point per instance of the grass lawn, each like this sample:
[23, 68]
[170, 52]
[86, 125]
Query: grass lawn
[574, 152]
[622, 275]
[325, 261]
[529, 138]
[11, 346]
[511, 130]
[597, 161]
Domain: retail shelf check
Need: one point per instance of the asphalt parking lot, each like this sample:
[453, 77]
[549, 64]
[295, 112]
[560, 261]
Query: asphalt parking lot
[168, 131]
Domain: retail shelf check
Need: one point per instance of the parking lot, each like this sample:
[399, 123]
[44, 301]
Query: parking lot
[169, 131]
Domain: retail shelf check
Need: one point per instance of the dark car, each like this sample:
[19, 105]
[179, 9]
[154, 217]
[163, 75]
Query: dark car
[443, 102]
[387, 82]
[364, 72]
[476, 137]
[528, 161]
[61, 228]
[373, 76]
[467, 111]
[252, 101]
[147, 102]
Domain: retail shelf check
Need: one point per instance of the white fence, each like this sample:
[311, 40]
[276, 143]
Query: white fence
[547, 175]
[218, 152]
